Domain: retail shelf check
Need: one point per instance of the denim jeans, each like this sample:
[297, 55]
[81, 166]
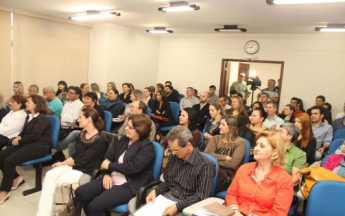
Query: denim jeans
[70, 142]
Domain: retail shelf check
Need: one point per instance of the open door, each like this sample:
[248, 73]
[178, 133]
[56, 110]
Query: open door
[243, 68]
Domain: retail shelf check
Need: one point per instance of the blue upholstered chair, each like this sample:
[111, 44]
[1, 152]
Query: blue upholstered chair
[175, 110]
[339, 134]
[149, 111]
[335, 145]
[214, 181]
[156, 172]
[55, 128]
[100, 101]
[326, 198]
[108, 118]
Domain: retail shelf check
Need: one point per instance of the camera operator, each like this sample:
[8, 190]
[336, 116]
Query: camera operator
[241, 87]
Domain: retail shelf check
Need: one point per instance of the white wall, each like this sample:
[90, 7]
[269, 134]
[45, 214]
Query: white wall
[313, 63]
[122, 54]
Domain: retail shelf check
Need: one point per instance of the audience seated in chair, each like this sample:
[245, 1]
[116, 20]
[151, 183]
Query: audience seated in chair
[213, 96]
[33, 90]
[12, 124]
[229, 149]
[95, 89]
[136, 107]
[62, 91]
[174, 91]
[85, 88]
[327, 115]
[256, 126]
[32, 143]
[178, 186]
[336, 163]
[238, 110]
[288, 115]
[127, 90]
[323, 132]
[223, 100]
[161, 109]
[190, 100]
[262, 187]
[90, 100]
[110, 85]
[71, 109]
[203, 112]
[338, 124]
[113, 104]
[129, 165]
[170, 95]
[136, 95]
[272, 121]
[212, 125]
[54, 104]
[90, 148]
[296, 158]
[147, 97]
[306, 140]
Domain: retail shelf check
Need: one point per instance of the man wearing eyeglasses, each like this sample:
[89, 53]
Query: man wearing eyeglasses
[188, 174]
[71, 110]
[136, 107]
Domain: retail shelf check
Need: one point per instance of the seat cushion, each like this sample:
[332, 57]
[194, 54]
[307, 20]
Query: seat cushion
[39, 160]
[221, 194]
[120, 209]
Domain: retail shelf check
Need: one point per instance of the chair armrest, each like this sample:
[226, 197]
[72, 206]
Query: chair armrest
[95, 174]
[141, 195]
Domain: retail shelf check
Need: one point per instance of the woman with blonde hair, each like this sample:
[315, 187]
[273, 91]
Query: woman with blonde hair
[110, 85]
[18, 88]
[262, 187]
[95, 89]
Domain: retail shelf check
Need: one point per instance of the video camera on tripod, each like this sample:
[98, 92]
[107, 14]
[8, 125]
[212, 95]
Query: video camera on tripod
[255, 82]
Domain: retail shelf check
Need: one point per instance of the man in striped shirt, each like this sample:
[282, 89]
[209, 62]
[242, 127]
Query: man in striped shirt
[323, 132]
[188, 174]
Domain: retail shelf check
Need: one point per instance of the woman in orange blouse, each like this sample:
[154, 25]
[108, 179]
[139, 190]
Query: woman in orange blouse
[262, 188]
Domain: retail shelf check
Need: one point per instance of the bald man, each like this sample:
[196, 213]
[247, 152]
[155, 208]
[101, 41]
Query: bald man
[54, 104]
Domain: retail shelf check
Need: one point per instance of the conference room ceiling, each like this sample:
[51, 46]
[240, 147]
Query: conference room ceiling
[254, 15]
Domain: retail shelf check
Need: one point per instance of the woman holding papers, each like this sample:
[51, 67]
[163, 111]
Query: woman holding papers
[127, 167]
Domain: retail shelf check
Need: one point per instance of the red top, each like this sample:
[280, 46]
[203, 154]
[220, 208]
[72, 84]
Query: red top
[294, 113]
[271, 196]
[333, 161]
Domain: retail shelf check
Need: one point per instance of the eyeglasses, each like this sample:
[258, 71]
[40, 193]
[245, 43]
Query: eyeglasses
[170, 150]
[71, 93]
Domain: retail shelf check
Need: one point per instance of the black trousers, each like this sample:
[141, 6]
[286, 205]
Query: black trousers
[3, 141]
[13, 156]
[95, 200]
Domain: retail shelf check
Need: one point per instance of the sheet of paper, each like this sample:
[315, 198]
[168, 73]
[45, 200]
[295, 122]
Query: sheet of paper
[203, 212]
[156, 209]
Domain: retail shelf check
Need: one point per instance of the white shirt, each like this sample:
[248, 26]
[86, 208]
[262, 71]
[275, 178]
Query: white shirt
[71, 110]
[12, 124]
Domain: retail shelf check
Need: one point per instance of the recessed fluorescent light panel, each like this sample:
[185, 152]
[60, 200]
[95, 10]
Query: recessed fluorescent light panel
[331, 28]
[90, 15]
[302, 1]
[159, 30]
[179, 6]
[230, 28]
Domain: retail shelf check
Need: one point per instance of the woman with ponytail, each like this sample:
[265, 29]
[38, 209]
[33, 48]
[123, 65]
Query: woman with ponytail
[90, 149]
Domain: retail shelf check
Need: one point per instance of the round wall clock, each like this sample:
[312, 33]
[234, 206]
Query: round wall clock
[251, 47]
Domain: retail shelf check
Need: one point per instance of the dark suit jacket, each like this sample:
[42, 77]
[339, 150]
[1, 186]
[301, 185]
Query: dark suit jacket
[202, 116]
[36, 133]
[137, 163]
